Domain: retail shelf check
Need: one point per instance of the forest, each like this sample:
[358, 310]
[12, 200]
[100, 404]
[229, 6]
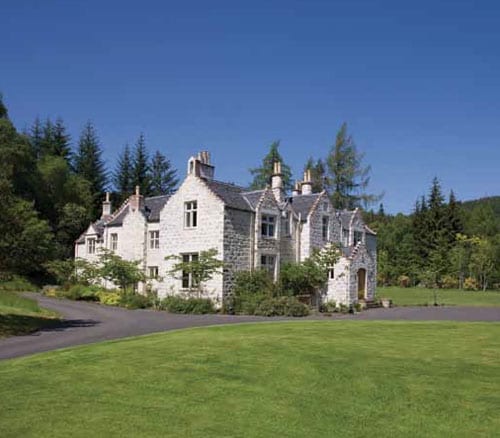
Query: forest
[52, 187]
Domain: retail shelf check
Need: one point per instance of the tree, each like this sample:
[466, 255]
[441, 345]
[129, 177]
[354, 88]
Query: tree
[141, 170]
[3, 109]
[36, 137]
[89, 165]
[200, 269]
[262, 175]
[163, 175]
[482, 261]
[125, 273]
[61, 140]
[123, 175]
[347, 180]
[318, 174]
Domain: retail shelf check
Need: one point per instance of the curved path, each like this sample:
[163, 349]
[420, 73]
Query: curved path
[85, 323]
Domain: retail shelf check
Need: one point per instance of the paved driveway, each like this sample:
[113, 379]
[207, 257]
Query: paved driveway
[88, 322]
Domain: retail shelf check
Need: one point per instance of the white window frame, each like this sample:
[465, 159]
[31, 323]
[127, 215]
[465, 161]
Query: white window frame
[325, 228]
[91, 245]
[190, 214]
[113, 241]
[268, 226]
[187, 281]
[154, 239]
[268, 263]
[153, 272]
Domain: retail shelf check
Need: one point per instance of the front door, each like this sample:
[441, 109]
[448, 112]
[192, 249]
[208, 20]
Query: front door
[361, 284]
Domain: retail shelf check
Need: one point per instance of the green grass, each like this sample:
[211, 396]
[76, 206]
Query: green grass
[20, 315]
[17, 283]
[450, 297]
[290, 379]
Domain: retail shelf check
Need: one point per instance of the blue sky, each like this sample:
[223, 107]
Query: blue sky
[418, 83]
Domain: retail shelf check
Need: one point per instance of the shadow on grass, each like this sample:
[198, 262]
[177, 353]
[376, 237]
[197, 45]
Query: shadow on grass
[12, 325]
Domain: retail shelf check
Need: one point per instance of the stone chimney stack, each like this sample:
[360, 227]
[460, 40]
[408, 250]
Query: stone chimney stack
[200, 166]
[307, 183]
[136, 201]
[106, 207]
[296, 189]
[277, 182]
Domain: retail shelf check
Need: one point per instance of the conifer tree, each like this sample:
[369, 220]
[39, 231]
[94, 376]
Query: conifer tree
[262, 175]
[90, 165]
[47, 143]
[163, 175]
[347, 179]
[123, 175]
[36, 137]
[3, 109]
[141, 170]
[61, 141]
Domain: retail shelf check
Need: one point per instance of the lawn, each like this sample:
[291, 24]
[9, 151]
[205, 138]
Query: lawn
[20, 315]
[450, 297]
[287, 379]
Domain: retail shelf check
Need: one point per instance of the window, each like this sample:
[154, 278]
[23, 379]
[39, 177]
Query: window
[331, 274]
[187, 277]
[345, 236]
[325, 206]
[153, 272]
[358, 237]
[154, 239]
[287, 226]
[268, 262]
[191, 214]
[114, 241]
[268, 224]
[91, 246]
[325, 227]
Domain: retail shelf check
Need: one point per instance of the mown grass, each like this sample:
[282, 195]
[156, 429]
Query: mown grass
[292, 379]
[449, 297]
[20, 315]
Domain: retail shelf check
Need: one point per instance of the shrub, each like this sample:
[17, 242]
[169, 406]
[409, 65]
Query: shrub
[471, 283]
[449, 282]
[250, 289]
[281, 306]
[404, 281]
[328, 306]
[110, 298]
[302, 278]
[14, 283]
[176, 304]
[80, 292]
[133, 300]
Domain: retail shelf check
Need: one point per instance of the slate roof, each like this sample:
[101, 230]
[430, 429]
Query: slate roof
[302, 204]
[230, 194]
[98, 226]
[154, 205]
[118, 219]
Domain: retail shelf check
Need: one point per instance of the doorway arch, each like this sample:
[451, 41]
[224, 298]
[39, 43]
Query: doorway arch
[361, 284]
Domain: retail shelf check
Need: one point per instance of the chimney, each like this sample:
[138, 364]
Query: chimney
[307, 183]
[277, 182]
[136, 201]
[296, 189]
[200, 166]
[106, 207]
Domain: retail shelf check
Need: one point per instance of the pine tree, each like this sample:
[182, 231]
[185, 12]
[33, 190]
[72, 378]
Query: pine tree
[347, 179]
[317, 174]
[35, 136]
[3, 109]
[61, 141]
[262, 175]
[141, 171]
[453, 219]
[90, 165]
[47, 142]
[163, 175]
[123, 175]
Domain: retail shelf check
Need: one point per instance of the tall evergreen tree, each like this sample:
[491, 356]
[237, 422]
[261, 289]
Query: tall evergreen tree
[347, 179]
[61, 140]
[123, 174]
[163, 176]
[3, 109]
[318, 173]
[262, 175]
[47, 143]
[141, 170]
[90, 165]
[35, 136]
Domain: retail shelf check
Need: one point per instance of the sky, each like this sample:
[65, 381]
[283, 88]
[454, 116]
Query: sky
[418, 83]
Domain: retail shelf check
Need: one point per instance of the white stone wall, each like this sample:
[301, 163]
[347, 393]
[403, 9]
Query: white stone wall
[177, 239]
[338, 287]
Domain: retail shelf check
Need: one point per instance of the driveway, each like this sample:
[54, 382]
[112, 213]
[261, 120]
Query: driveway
[85, 323]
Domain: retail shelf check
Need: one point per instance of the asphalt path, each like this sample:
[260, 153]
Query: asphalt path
[84, 323]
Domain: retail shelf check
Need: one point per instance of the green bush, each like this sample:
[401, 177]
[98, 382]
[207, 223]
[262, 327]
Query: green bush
[80, 292]
[404, 281]
[109, 297]
[176, 304]
[449, 282]
[471, 284]
[301, 278]
[133, 300]
[281, 306]
[250, 289]
[328, 307]
[15, 283]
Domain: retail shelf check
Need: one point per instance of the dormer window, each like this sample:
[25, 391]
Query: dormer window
[191, 214]
[268, 225]
[91, 246]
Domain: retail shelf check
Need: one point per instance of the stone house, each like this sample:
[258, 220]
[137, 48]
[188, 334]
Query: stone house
[249, 229]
